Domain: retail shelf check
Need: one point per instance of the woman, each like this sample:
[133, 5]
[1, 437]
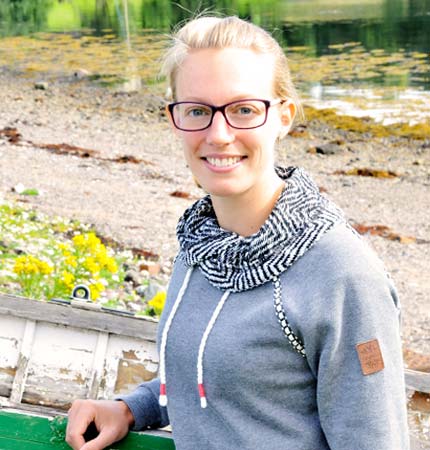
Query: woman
[281, 327]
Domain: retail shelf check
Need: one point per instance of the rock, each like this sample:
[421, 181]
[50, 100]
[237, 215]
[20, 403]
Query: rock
[328, 149]
[41, 85]
[135, 307]
[151, 289]
[81, 73]
[148, 291]
[300, 131]
[141, 290]
[133, 277]
[151, 268]
[19, 188]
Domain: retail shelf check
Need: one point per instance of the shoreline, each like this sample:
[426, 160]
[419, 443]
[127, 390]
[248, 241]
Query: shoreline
[125, 186]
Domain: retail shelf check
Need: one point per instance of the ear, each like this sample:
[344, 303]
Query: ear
[288, 112]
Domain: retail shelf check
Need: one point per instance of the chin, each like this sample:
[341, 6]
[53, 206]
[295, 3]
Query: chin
[225, 191]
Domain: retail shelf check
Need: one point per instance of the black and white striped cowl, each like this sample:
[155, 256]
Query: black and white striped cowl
[232, 262]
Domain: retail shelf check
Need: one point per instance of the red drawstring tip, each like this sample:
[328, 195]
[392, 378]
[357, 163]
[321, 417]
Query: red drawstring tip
[202, 394]
[162, 400]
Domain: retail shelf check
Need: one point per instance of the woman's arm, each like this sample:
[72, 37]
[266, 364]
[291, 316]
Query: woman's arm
[143, 404]
[356, 355]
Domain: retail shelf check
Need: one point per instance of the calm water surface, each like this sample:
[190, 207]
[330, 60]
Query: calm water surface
[369, 57]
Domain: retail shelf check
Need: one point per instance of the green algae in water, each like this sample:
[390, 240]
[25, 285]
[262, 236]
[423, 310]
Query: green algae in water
[419, 131]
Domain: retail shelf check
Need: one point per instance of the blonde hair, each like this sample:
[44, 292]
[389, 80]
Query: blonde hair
[216, 32]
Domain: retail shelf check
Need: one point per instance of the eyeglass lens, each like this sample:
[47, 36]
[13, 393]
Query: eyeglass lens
[240, 114]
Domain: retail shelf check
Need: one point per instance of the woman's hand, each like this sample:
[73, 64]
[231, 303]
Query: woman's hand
[111, 418]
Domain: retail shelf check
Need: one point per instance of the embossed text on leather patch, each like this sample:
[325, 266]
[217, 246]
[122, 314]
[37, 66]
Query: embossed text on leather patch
[370, 356]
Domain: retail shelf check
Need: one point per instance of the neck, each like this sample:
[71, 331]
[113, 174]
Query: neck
[244, 214]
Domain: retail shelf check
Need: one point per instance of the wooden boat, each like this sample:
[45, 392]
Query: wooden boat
[52, 353]
[21, 430]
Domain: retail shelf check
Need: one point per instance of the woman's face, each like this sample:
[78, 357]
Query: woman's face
[227, 161]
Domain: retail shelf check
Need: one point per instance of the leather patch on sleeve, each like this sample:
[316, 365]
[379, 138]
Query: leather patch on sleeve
[370, 356]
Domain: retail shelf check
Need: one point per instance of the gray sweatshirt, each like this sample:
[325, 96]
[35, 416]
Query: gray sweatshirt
[261, 393]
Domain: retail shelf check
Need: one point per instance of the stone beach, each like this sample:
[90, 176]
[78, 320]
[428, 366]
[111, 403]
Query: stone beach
[107, 157]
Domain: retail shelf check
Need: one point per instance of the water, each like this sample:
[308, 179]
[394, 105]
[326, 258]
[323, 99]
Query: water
[368, 57]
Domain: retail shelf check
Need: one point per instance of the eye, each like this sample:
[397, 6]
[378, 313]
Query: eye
[197, 111]
[245, 109]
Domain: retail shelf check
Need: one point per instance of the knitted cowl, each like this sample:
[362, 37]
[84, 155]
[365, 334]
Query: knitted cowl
[232, 262]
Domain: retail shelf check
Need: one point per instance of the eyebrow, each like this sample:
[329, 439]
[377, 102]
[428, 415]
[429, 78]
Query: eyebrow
[233, 99]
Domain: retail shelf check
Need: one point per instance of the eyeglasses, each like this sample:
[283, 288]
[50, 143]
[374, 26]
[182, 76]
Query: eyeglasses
[241, 114]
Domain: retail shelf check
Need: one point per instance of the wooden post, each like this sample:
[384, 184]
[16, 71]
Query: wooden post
[23, 362]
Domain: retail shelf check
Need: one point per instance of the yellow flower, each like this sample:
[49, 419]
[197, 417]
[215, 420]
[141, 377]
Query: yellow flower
[44, 267]
[111, 265]
[97, 257]
[102, 257]
[70, 260]
[29, 265]
[68, 279]
[79, 240]
[64, 248]
[157, 302]
[96, 289]
[91, 265]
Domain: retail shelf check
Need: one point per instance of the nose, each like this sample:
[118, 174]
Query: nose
[219, 133]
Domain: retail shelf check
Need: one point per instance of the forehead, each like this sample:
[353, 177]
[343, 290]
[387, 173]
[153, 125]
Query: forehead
[222, 75]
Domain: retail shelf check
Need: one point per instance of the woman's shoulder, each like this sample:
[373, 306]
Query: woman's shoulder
[342, 250]
[340, 256]
[339, 280]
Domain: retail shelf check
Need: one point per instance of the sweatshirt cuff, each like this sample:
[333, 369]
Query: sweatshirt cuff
[144, 406]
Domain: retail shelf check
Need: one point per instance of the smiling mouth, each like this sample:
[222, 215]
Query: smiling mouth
[224, 162]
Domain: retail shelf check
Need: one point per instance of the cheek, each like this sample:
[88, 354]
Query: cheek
[263, 139]
[190, 144]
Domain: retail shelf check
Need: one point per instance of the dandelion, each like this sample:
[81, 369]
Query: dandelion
[157, 302]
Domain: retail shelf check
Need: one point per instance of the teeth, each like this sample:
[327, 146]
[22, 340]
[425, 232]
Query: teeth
[223, 162]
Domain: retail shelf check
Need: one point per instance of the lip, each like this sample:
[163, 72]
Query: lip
[222, 169]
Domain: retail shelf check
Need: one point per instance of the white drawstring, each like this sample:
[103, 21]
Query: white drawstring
[162, 371]
[215, 314]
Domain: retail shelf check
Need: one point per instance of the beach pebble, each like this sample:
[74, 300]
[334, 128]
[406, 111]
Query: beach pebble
[81, 73]
[18, 188]
[41, 85]
[133, 277]
[328, 149]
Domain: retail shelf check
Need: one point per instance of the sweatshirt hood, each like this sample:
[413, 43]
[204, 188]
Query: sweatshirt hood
[236, 263]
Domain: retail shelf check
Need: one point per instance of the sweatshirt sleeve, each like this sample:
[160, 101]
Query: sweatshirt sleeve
[143, 403]
[355, 355]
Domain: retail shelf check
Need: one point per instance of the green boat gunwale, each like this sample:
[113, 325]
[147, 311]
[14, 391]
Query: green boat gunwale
[20, 430]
